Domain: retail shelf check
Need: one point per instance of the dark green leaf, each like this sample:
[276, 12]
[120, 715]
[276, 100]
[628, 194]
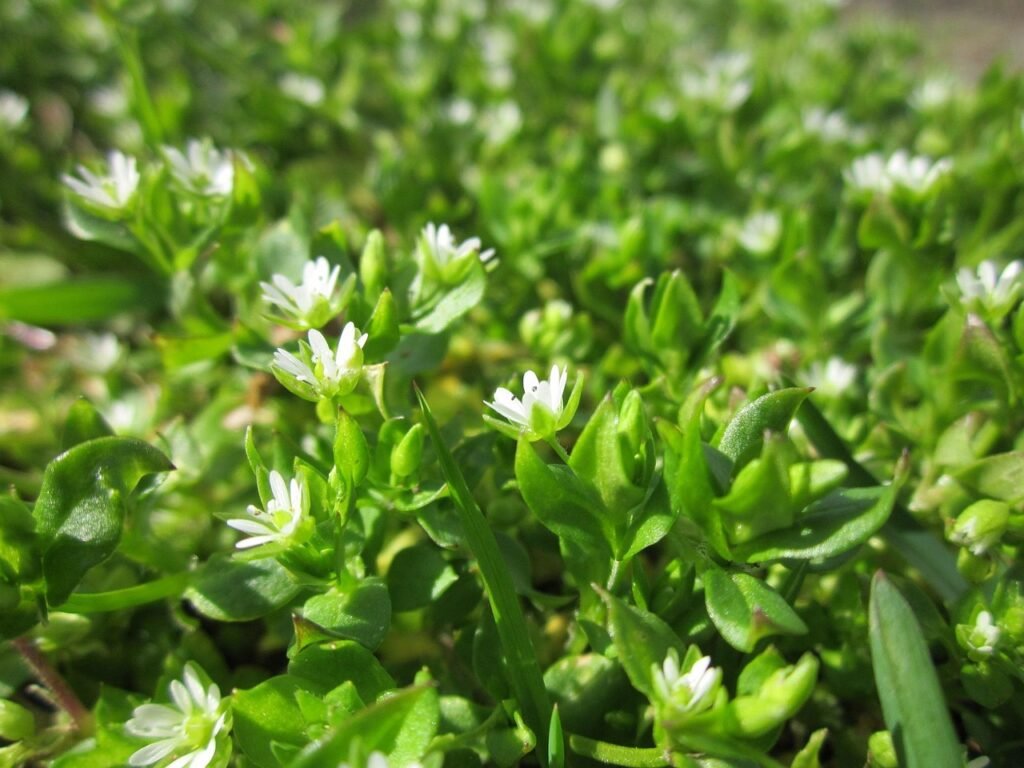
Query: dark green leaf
[745, 609]
[236, 590]
[78, 301]
[418, 576]
[744, 435]
[82, 503]
[642, 641]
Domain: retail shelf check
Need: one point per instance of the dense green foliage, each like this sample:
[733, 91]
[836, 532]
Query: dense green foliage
[266, 500]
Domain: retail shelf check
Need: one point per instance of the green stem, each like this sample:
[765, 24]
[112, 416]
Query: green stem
[131, 60]
[557, 447]
[130, 597]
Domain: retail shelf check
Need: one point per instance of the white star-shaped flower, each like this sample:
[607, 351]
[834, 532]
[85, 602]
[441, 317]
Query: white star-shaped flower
[187, 728]
[282, 521]
[313, 301]
[202, 168]
[690, 692]
[318, 372]
[113, 190]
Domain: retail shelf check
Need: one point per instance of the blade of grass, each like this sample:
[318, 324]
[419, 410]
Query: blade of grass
[919, 547]
[915, 710]
[521, 658]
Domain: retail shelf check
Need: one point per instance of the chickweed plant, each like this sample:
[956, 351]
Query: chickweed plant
[554, 383]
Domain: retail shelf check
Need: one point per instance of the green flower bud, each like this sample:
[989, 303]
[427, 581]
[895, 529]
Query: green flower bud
[980, 639]
[351, 452]
[16, 722]
[373, 266]
[981, 526]
[974, 568]
[881, 751]
[780, 697]
[407, 454]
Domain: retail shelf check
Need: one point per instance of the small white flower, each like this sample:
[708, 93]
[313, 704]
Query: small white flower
[723, 81]
[832, 379]
[283, 519]
[933, 94]
[830, 127]
[541, 413]
[867, 175]
[113, 190]
[305, 89]
[202, 168]
[689, 693]
[760, 233]
[986, 634]
[443, 257]
[187, 728]
[915, 174]
[13, 109]
[319, 372]
[543, 394]
[312, 302]
[989, 289]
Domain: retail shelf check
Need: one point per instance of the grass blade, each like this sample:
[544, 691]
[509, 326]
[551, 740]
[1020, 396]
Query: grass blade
[521, 659]
[912, 702]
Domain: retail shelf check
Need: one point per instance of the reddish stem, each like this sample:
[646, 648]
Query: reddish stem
[65, 697]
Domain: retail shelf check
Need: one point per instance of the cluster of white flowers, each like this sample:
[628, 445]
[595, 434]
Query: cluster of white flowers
[686, 693]
[320, 372]
[312, 302]
[989, 289]
[112, 190]
[724, 81]
[284, 520]
[760, 232]
[202, 168]
[900, 172]
[13, 109]
[187, 728]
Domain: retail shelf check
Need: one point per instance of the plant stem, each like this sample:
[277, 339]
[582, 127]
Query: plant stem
[65, 697]
[557, 446]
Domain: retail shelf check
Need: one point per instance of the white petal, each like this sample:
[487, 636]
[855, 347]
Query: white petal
[255, 541]
[530, 382]
[153, 752]
[251, 526]
[279, 488]
[317, 342]
[179, 694]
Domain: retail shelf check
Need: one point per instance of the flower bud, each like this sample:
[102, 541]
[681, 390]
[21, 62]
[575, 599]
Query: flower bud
[781, 695]
[16, 722]
[373, 266]
[981, 639]
[881, 751]
[407, 454]
[981, 526]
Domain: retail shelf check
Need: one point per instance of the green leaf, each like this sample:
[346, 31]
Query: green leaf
[808, 756]
[997, 477]
[179, 351]
[641, 640]
[363, 614]
[455, 302]
[837, 523]
[915, 710]
[237, 590]
[565, 506]
[521, 659]
[556, 741]
[382, 331]
[375, 728]
[326, 666]
[744, 435]
[745, 609]
[598, 459]
[82, 504]
[78, 301]
[418, 576]
[83, 423]
[267, 714]
[585, 687]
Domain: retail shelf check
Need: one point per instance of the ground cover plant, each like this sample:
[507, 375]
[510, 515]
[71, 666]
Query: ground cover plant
[559, 383]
